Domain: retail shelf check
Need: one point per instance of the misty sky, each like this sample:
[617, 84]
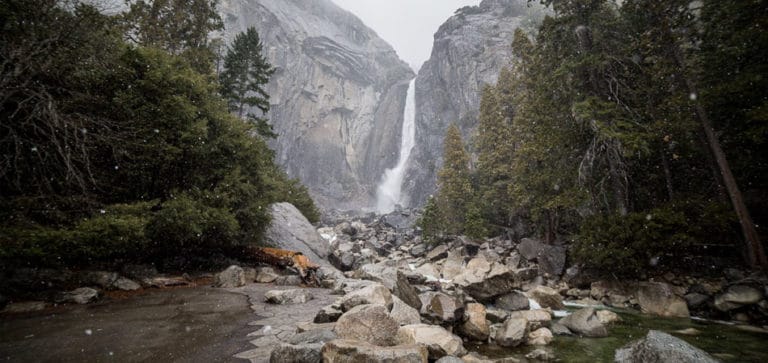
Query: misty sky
[408, 25]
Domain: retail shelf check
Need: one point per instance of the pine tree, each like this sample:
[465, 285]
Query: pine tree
[455, 187]
[246, 73]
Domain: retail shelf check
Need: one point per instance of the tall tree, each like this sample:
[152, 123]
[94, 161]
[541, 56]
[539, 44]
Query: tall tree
[455, 187]
[246, 73]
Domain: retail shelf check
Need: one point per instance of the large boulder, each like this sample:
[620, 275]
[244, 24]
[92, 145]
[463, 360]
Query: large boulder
[541, 336]
[290, 230]
[312, 336]
[529, 248]
[383, 272]
[375, 294]
[354, 351]
[475, 326]
[515, 300]
[547, 297]
[328, 314]
[294, 296]
[552, 260]
[304, 353]
[512, 333]
[499, 281]
[233, 276]
[443, 308]
[439, 342]
[403, 313]
[737, 296]
[659, 347]
[586, 323]
[369, 323]
[658, 298]
[82, 295]
[536, 318]
[406, 292]
[453, 264]
[438, 253]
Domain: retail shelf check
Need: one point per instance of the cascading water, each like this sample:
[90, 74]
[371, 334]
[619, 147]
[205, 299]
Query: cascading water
[389, 192]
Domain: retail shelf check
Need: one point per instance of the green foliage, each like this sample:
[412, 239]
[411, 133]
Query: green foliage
[455, 187]
[430, 222]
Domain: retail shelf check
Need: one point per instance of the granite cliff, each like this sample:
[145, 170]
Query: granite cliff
[337, 95]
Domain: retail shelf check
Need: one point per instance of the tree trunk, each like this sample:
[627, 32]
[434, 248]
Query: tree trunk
[667, 175]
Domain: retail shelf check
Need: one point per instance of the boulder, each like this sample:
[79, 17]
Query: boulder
[515, 300]
[737, 296]
[233, 276]
[658, 298]
[375, 294]
[499, 281]
[438, 253]
[453, 264]
[560, 329]
[82, 295]
[552, 260]
[496, 315]
[403, 313]
[427, 270]
[607, 317]
[354, 351]
[475, 326]
[294, 296]
[418, 250]
[659, 347]
[265, 275]
[443, 308]
[289, 280]
[406, 292]
[586, 323]
[312, 336]
[695, 299]
[290, 230]
[305, 353]
[547, 297]
[328, 314]
[529, 248]
[439, 342]
[536, 318]
[369, 323]
[541, 336]
[125, 284]
[512, 333]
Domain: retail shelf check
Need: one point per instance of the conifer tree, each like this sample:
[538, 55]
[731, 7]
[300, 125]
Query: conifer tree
[246, 73]
[455, 187]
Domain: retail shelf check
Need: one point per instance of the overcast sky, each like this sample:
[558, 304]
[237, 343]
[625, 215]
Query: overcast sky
[408, 25]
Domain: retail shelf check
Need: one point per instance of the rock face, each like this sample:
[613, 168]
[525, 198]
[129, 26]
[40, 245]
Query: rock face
[337, 95]
[658, 347]
[290, 230]
[469, 50]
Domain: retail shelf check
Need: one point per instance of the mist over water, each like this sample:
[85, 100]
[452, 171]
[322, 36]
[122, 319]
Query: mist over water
[389, 192]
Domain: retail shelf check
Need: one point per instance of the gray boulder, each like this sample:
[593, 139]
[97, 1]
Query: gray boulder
[294, 296]
[659, 347]
[406, 292]
[586, 323]
[439, 342]
[547, 297]
[369, 323]
[312, 336]
[515, 300]
[443, 308]
[499, 281]
[328, 314]
[438, 253]
[290, 230]
[529, 248]
[403, 313]
[658, 298]
[304, 353]
[233, 276]
[737, 296]
[475, 326]
[512, 333]
[375, 294]
[355, 351]
[82, 295]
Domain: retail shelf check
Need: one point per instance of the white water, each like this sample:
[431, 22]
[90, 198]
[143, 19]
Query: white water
[389, 192]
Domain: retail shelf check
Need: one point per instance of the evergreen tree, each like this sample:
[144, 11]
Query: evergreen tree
[246, 73]
[455, 187]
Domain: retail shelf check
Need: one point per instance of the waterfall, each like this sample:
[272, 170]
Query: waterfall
[389, 192]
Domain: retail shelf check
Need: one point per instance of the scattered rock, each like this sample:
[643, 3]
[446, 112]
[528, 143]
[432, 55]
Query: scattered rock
[475, 327]
[418, 250]
[406, 292]
[695, 299]
[688, 331]
[512, 333]
[265, 275]
[375, 294]
[547, 297]
[82, 295]
[536, 318]
[369, 323]
[307, 326]
[294, 296]
[313, 336]
[450, 359]
[438, 253]
[501, 280]
[560, 329]
[737, 296]
[496, 315]
[24, 307]
[529, 248]
[453, 265]
[585, 322]
[439, 342]
[659, 347]
[233, 276]
[305, 353]
[444, 309]
[541, 336]
[354, 351]
[552, 260]
[658, 298]
[328, 314]
[515, 300]
[403, 313]
[607, 317]
[125, 284]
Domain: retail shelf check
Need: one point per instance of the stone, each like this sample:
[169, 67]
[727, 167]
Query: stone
[345, 228]
[498, 282]
[737, 296]
[288, 280]
[406, 292]
[313, 336]
[659, 347]
[695, 299]
[290, 230]
[375, 294]
[265, 275]
[369, 323]
[552, 260]
[515, 300]
[233, 276]
[418, 250]
[309, 326]
[427, 270]
[294, 296]
[403, 313]
[586, 323]
[383, 272]
[547, 297]
[560, 329]
[536, 318]
[355, 351]
[512, 333]
[495, 315]
[82, 295]
[305, 353]
[475, 326]
[607, 317]
[443, 308]
[529, 248]
[328, 314]
[541, 336]
[126, 284]
[658, 298]
[453, 265]
[439, 342]
[438, 253]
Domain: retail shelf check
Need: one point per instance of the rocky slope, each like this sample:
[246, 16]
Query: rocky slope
[337, 95]
[469, 50]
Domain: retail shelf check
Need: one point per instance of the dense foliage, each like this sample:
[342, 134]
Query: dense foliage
[615, 112]
[113, 149]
